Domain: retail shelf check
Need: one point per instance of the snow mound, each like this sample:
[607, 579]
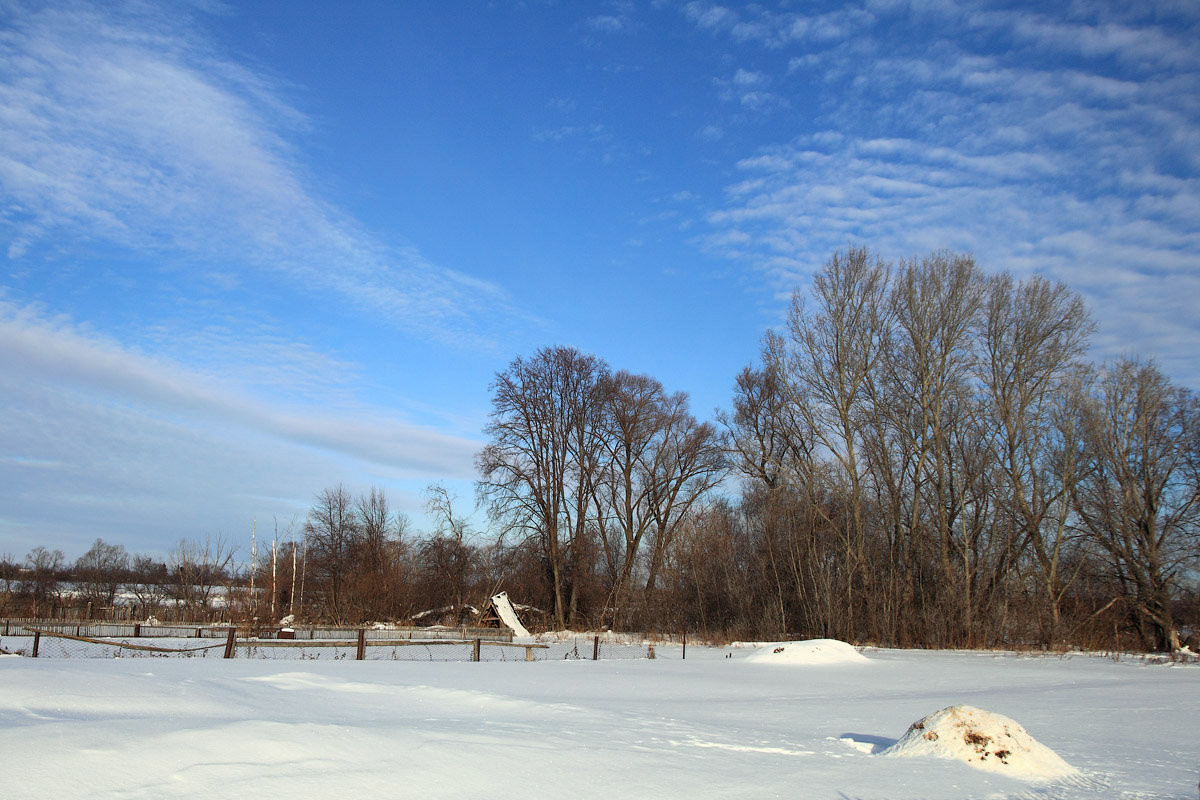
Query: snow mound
[983, 740]
[813, 651]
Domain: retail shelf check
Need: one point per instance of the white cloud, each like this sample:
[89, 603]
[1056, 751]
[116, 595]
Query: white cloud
[606, 23]
[1079, 161]
[777, 29]
[126, 128]
[709, 16]
[94, 435]
[54, 352]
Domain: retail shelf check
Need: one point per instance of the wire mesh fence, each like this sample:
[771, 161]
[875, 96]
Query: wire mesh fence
[150, 630]
[56, 644]
[596, 648]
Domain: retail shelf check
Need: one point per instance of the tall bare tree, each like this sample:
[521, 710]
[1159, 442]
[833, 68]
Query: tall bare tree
[631, 427]
[538, 469]
[1138, 496]
[935, 303]
[825, 363]
[332, 534]
[1034, 335]
[377, 556]
[688, 461]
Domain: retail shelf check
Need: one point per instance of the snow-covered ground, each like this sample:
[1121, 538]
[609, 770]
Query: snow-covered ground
[711, 726]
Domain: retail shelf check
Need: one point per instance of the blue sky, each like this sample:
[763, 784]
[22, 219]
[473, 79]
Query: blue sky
[254, 250]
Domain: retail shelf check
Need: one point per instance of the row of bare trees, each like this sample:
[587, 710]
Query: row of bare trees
[45, 584]
[930, 459]
[923, 455]
[360, 560]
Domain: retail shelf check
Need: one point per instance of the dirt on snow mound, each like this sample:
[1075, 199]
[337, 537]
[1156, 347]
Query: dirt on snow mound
[984, 740]
[813, 651]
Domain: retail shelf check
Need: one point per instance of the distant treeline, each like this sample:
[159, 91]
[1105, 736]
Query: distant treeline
[923, 456]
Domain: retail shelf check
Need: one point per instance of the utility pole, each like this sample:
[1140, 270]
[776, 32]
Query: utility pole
[292, 595]
[253, 568]
[274, 590]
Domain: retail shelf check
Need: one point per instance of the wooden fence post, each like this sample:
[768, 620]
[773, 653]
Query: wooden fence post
[37, 638]
[476, 653]
[685, 643]
[362, 644]
[596, 648]
[230, 640]
[137, 629]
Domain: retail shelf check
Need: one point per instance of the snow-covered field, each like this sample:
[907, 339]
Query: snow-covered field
[773, 721]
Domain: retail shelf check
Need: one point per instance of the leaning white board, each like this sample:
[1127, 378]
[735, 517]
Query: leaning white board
[507, 615]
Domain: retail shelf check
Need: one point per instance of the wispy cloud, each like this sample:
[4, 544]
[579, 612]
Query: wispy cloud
[125, 127]
[777, 29]
[91, 430]
[1065, 146]
[751, 90]
[54, 352]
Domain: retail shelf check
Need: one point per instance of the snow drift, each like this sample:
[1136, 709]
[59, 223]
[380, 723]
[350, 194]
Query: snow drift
[812, 651]
[983, 740]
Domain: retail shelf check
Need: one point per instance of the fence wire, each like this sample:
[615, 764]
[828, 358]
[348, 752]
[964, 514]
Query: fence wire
[51, 646]
[60, 645]
[586, 649]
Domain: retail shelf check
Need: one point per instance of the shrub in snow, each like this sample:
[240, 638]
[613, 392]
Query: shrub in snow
[984, 740]
[812, 651]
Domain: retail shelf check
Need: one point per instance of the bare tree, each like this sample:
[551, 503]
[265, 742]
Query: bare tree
[100, 572]
[148, 582]
[439, 502]
[40, 582]
[447, 558]
[1138, 496]
[655, 462]
[8, 573]
[788, 505]
[825, 365]
[688, 461]
[935, 304]
[199, 567]
[632, 425]
[539, 465]
[332, 534]
[770, 439]
[1034, 335]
